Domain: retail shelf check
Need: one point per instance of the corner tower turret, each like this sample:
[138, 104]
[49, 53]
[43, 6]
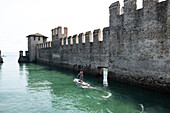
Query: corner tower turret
[33, 40]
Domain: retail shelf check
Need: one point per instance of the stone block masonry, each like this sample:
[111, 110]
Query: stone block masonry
[139, 45]
[22, 58]
[87, 51]
[135, 47]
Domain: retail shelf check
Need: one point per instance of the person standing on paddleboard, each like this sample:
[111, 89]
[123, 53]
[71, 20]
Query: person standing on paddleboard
[80, 75]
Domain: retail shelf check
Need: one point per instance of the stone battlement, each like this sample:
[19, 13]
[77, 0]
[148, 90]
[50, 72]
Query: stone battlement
[22, 58]
[82, 38]
[130, 6]
[44, 45]
[131, 16]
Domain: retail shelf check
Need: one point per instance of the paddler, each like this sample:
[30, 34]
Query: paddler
[80, 75]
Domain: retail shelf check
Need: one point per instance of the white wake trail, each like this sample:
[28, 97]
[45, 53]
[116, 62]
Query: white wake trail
[109, 94]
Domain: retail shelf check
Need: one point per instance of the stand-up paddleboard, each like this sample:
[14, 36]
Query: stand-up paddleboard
[86, 85]
[82, 83]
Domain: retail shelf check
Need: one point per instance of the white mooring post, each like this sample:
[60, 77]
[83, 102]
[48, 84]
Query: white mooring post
[105, 74]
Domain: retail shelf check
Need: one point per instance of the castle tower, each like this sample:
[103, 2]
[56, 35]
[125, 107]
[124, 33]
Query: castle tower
[33, 40]
[57, 33]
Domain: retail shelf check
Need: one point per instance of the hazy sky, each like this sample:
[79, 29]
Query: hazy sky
[19, 18]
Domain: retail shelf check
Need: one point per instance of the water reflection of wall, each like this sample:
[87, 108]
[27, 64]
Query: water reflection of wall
[36, 78]
[23, 73]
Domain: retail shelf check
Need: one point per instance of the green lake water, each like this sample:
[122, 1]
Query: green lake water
[33, 88]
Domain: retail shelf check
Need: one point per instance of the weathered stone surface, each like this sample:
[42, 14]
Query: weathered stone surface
[23, 59]
[33, 40]
[139, 46]
[135, 46]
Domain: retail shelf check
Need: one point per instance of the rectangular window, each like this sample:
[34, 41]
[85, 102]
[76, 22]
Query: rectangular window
[34, 38]
[38, 38]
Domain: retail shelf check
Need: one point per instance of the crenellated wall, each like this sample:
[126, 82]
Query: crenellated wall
[88, 51]
[57, 33]
[134, 48]
[44, 45]
[44, 51]
[22, 58]
[139, 48]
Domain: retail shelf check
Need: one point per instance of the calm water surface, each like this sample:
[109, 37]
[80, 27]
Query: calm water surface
[33, 88]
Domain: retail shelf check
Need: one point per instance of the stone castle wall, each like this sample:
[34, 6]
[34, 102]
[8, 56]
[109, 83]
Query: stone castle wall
[44, 54]
[135, 46]
[87, 51]
[90, 53]
[139, 48]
